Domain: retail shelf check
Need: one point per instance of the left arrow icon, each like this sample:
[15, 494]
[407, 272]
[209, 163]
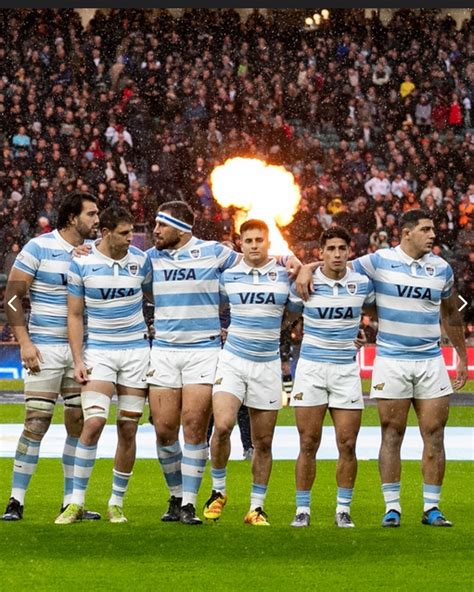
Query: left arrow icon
[10, 303]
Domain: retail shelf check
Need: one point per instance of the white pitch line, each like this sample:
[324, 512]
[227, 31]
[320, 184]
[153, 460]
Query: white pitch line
[459, 442]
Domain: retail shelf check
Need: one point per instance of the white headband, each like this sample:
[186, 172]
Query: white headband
[174, 222]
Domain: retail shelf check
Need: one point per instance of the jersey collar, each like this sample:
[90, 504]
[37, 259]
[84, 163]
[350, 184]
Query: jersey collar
[174, 252]
[409, 260]
[261, 270]
[108, 260]
[331, 282]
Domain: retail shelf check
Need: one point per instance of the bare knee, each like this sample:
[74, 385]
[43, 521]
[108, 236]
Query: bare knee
[222, 430]
[73, 422]
[126, 431]
[346, 446]
[263, 444]
[392, 434]
[309, 444]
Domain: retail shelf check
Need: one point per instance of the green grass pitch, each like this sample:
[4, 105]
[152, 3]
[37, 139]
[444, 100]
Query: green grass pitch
[146, 554]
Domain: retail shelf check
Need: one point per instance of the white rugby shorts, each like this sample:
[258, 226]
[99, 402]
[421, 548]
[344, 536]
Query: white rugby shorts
[127, 367]
[57, 365]
[257, 384]
[179, 367]
[322, 383]
[410, 379]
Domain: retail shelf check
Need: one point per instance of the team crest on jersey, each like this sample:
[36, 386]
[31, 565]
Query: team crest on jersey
[133, 268]
[430, 270]
[379, 386]
[272, 276]
[298, 397]
[195, 253]
[352, 288]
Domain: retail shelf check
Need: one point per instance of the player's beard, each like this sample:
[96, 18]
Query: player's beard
[87, 233]
[171, 243]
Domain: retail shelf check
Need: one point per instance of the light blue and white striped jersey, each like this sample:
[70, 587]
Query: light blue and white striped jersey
[331, 316]
[113, 297]
[186, 293]
[257, 298]
[408, 295]
[47, 258]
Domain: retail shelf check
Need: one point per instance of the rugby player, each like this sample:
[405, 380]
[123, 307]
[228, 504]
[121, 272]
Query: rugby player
[108, 285]
[40, 270]
[186, 273]
[249, 367]
[327, 374]
[413, 292]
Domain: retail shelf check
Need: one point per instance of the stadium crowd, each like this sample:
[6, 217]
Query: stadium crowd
[140, 106]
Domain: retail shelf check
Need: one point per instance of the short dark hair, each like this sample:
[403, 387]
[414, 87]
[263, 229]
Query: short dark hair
[71, 206]
[113, 216]
[254, 224]
[178, 209]
[411, 218]
[336, 232]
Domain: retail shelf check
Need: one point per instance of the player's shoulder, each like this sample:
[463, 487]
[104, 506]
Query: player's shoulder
[355, 276]
[136, 252]
[437, 261]
[43, 241]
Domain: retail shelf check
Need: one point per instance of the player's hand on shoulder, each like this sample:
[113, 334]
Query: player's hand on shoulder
[81, 250]
[81, 373]
[31, 358]
[304, 281]
[293, 266]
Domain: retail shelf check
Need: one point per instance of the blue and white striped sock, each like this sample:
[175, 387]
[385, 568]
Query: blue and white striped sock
[344, 499]
[431, 496]
[69, 452]
[303, 501]
[391, 496]
[119, 487]
[24, 466]
[170, 458]
[257, 496]
[219, 479]
[83, 465]
[192, 468]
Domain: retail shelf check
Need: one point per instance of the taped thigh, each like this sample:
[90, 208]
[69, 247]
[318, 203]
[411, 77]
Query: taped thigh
[71, 393]
[130, 408]
[95, 404]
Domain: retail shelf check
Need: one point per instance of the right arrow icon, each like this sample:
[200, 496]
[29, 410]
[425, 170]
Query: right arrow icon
[464, 303]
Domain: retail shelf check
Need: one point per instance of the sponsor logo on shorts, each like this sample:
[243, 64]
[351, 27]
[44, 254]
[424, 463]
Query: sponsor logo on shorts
[298, 396]
[352, 288]
[274, 401]
[443, 388]
[195, 253]
[379, 386]
[272, 276]
[218, 381]
[133, 269]
[430, 270]
[354, 400]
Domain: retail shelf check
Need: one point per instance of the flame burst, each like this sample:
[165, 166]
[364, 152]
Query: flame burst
[258, 190]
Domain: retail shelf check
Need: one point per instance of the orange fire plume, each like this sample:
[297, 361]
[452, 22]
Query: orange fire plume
[258, 190]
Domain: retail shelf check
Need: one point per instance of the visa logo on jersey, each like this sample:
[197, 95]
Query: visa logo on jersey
[414, 292]
[173, 275]
[340, 312]
[257, 298]
[116, 293]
